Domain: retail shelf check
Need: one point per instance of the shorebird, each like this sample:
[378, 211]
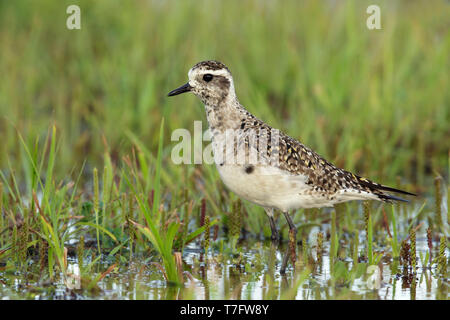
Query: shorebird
[298, 178]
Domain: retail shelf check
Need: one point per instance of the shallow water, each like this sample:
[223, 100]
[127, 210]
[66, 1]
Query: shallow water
[250, 272]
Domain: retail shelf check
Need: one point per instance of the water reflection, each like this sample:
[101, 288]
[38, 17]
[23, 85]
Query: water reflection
[252, 272]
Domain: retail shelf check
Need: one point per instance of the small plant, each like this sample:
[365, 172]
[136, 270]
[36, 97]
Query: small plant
[374, 258]
[319, 247]
[405, 258]
[442, 259]
[80, 254]
[96, 207]
[394, 239]
[438, 202]
[412, 239]
[207, 235]
[333, 239]
[356, 248]
[430, 244]
[235, 222]
[2, 222]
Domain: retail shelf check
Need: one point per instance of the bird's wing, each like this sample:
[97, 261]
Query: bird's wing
[325, 176]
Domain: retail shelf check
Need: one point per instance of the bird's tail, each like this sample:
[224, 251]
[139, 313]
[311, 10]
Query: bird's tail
[380, 190]
[389, 198]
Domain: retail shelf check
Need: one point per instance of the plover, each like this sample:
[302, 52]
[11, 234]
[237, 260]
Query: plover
[299, 178]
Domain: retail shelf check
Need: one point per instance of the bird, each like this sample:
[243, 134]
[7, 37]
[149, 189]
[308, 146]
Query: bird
[287, 175]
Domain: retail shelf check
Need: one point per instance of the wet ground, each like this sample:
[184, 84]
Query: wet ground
[252, 271]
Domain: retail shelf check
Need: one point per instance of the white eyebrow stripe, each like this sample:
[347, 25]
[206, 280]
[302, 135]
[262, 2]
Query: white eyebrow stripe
[220, 72]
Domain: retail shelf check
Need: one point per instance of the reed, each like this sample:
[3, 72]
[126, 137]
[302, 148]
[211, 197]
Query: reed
[405, 255]
[442, 259]
[207, 235]
[412, 240]
[438, 202]
[80, 254]
[430, 245]
[356, 248]
[2, 220]
[96, 207]
[319, 247]
[369, 232]
[236, 221]
[394, 240]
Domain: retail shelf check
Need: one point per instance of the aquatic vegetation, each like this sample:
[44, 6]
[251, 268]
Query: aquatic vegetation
[442, 260]
[91, 205]
[412, 239]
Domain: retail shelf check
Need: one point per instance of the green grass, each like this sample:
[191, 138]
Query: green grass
[374, 102]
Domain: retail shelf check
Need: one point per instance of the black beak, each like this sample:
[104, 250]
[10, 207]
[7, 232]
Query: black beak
[182, 89]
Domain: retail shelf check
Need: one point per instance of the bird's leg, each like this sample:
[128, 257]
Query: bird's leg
[275, 235]
[273, 227]
[291, 224]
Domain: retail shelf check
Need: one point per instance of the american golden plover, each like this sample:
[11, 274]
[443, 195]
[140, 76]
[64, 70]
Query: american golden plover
[286, 175]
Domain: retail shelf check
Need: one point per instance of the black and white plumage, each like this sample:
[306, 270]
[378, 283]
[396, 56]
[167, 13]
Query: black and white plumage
[285, 174]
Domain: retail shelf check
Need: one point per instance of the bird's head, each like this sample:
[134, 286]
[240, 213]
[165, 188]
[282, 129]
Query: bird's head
[211, 81]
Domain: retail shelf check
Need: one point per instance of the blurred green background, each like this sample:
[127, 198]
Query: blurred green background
[373, 101]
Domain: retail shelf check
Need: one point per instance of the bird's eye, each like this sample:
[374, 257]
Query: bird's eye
[208, 77]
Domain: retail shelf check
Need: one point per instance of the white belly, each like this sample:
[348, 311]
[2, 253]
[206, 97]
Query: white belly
[270, 187]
